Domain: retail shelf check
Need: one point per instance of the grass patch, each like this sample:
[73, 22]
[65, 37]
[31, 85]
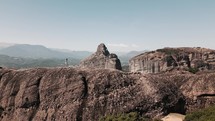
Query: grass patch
[132, 116]
[207, 114]
[169, 51]
[193, 70]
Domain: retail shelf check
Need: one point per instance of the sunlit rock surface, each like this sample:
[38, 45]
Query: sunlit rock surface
[166, 59]
[102, 59]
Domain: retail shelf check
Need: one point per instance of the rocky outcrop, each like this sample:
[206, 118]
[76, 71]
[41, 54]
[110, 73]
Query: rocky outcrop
[68, 94]
[74, 94]
[198, 89]
[102, 59]
[166, 59]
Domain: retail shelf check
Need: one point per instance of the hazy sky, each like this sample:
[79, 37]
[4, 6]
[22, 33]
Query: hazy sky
[123, 25]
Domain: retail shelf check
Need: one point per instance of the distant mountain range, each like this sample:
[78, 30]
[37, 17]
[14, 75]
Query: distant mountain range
[29, 56]
[124, 58]
[5, 45]
[39, 51]
[25, 56]
[18, 62]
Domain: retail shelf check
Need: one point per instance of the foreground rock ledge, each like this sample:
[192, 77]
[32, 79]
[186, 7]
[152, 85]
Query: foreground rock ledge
[79, 94]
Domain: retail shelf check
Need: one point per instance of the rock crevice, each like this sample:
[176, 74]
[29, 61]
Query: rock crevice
[84, 96]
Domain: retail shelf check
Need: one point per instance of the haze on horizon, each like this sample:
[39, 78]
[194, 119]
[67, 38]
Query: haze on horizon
[123, 25]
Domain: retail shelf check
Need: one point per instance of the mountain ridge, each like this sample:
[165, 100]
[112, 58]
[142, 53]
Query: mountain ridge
[39, 51]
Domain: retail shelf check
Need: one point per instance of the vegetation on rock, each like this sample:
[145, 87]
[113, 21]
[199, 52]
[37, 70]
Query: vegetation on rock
[169, 51]
[193, 70]
[207, 114]
[132, 116]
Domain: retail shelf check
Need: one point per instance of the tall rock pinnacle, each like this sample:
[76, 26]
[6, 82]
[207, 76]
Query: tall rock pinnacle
[102, 59]
[102, 49]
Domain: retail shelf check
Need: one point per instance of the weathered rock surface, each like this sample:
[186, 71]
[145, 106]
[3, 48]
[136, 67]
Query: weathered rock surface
[166, 59]
[198, 89]
[102, 59]
[67, 94]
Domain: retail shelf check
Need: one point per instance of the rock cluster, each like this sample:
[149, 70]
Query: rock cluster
[166, 59]
[102, 59]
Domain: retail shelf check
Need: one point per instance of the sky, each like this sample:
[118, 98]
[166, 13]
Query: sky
[123, 25]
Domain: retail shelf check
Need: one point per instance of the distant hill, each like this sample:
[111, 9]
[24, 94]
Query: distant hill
[42, 53]
[17, 62]
[39, 51]
[124, 58]
[77, 54]
[5, 45]
[134, 53]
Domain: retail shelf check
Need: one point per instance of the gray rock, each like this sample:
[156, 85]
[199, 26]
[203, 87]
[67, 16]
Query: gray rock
[102, 59]
[102, 50]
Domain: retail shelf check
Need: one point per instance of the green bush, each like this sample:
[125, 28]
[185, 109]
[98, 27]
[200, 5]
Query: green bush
[207, 114]
[169, 51]
[193, 70]
[132, 116]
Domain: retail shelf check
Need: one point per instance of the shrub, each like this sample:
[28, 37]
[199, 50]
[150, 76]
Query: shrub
[193, 70]
[132, 116]
[169, 51]
[207, 114]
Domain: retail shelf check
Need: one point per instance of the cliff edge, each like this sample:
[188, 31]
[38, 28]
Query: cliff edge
[168, 59]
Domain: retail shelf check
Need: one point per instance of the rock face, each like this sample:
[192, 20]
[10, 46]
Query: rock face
[102, 59]
[166, 59]
[67, 94]
[198, 89]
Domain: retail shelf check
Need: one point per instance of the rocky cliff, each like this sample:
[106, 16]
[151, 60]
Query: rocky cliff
[102, 59]
[67, 94]
[166, 59]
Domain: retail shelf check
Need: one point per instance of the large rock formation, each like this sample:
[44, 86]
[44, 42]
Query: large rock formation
[198, 89]
[67, 94]
[102, 59]
[167, 59]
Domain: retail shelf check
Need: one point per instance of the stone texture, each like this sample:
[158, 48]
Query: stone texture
[198, 89]
[68, 94]
[166, 59]
[101, 59]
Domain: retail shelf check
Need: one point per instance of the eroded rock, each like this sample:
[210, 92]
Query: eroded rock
[166, 59]
[78, 94]
[68, 94]
[102, 59]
